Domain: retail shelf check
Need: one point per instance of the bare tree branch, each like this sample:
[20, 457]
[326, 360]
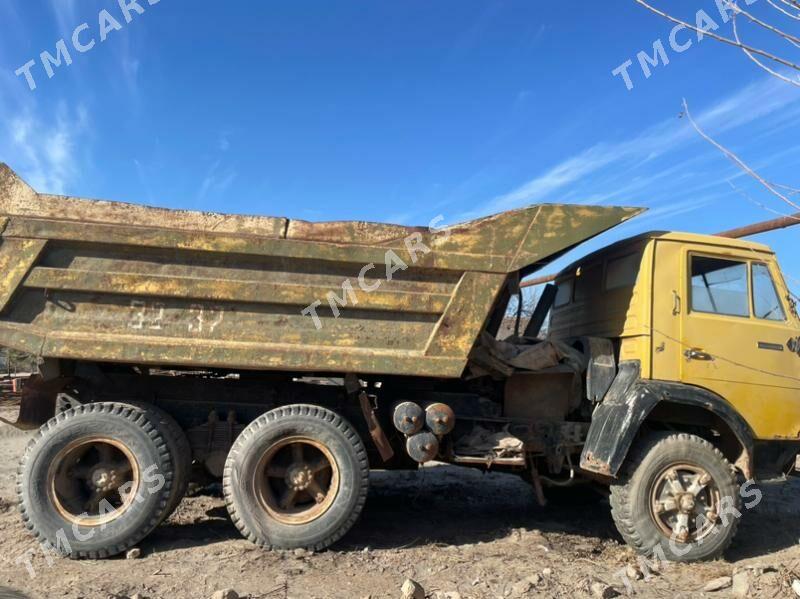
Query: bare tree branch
[783, 10]
[720, 38]
[795, 82]
[736, 160]
[792, 190]
[795, 41]
[747, 197]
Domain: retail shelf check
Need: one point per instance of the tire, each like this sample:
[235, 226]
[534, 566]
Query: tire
[645, 482]
[94, 444]
[255, 499]
[179, 450]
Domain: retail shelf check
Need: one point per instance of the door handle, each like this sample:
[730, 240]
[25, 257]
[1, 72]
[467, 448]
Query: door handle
[772, 346]
[698, 354]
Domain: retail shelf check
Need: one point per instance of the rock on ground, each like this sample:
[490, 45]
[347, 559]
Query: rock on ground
[741, 585]
[411, 589]
[723, 582]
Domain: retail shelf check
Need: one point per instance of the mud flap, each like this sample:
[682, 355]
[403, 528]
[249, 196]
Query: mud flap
[38, 403]
[616, 421]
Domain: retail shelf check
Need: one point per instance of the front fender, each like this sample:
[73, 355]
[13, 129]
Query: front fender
[629, 401]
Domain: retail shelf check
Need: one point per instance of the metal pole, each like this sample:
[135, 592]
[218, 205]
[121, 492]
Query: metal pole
[762, 227]
[538, 281]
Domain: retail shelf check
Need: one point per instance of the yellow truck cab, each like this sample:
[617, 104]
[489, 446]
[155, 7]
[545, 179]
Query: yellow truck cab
[707, 341]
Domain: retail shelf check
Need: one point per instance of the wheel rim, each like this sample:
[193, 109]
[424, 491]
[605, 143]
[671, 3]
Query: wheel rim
[297, 480]
[93, 481]
[684, 502]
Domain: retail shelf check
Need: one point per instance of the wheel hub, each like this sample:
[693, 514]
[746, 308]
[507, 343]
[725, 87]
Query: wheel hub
[298, 480]
[684, 502]
[299, 477]
[88, 475]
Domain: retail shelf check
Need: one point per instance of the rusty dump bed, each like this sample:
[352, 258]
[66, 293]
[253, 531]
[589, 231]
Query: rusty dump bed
[111, 282]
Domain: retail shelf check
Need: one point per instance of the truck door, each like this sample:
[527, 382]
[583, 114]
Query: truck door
[736, 335]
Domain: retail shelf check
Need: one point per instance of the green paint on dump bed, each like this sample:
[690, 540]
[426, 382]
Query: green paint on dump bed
[113, 282]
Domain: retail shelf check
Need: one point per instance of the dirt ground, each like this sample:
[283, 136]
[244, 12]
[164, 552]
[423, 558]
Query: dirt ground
[458, 533]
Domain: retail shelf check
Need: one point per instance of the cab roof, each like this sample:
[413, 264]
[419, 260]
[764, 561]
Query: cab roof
[705, 239]
[676, 236]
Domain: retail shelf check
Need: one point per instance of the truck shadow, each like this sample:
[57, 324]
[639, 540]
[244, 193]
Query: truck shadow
[771, 525]
[440, 505]
[453, 506]
[457, 506]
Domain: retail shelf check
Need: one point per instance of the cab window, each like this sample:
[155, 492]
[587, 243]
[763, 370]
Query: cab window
[588, 281]
[719, 286]
[563, 294]
[622, 272]
[766, 302]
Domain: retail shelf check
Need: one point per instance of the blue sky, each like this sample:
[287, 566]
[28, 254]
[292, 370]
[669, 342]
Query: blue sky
[396, 111]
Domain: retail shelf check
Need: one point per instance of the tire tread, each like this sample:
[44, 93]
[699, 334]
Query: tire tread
[279, 414]
[100, 408]
[620, 498]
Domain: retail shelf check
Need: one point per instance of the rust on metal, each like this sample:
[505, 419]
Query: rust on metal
[297, 480]
[592, 464]
[38, 402]
[110, 282]
[536, 481]
[762, 227]
[765, 226]
[375, 429]
[108, 474]
[17, 256]
[538, 281]
[440, 418]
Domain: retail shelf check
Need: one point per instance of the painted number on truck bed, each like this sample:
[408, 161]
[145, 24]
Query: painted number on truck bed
[147, 315]
[197, 320]
[204, 319]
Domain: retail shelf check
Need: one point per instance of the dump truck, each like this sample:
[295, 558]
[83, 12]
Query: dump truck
[289, 358]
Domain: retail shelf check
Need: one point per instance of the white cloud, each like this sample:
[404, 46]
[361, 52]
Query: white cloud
[766, 98]
[224, 142]
[216, 181]
[557, 177]
[66, 14]
[45, 143]
[129, 64]
[43, 149]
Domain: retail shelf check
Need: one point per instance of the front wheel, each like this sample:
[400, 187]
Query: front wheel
[676, 499]
[296, 477]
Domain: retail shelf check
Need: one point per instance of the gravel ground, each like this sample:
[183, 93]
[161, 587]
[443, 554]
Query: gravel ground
[458, 533]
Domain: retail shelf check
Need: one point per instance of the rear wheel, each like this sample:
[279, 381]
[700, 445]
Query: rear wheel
[677, 497]
[95, 480]
[179, 450]
[296, 477]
